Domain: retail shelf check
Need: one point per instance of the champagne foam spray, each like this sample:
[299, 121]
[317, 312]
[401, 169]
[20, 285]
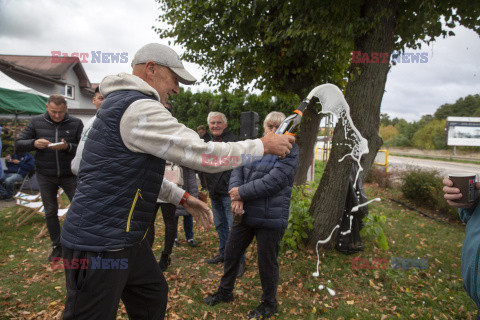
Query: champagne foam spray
[333, 102]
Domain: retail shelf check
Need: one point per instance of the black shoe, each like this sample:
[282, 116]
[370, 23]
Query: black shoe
[175, 243]
[56, 253]
[241, 269]
[164, 262]
[192, 243]
[218, 297]
[215, 260]
[263, 311]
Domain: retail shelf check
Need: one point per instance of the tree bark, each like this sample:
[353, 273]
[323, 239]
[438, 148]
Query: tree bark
[306, 140]
[364, 94]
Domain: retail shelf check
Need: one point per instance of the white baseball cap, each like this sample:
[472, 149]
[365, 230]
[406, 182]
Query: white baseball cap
[164, 56]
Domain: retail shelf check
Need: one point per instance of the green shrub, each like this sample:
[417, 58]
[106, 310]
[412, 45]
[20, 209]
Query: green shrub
[379, 176]
[300, 222]
[319, 168]
[373, 228]
[420, 186]
[425, 188]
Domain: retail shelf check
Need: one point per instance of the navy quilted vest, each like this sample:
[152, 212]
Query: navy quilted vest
[117, 188]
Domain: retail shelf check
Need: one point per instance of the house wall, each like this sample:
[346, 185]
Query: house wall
[81, 100]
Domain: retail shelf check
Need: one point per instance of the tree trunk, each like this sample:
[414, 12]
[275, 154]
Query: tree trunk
[306, 140]
[364, 94]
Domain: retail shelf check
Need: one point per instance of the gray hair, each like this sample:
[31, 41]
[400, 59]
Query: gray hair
[216, 114]
[274, 117]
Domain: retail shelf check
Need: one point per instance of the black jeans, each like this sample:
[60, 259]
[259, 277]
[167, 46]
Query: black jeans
[168, 214]
[131, 274]
[268, 243]
[48, 190]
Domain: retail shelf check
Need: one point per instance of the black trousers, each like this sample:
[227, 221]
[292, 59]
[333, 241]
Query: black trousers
[48, 190]
[131, 274]
[168, 214]
[268, 243]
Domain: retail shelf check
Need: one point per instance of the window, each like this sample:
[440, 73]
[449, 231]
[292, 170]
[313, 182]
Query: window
[68, 91]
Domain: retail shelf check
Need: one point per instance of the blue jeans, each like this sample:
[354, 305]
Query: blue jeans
[187, 226]
[223, 220]
[9, 179]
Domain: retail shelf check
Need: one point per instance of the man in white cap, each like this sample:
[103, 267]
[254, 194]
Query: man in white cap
[119, 180]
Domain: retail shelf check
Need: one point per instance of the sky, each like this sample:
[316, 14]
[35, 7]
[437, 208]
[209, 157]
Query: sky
[118, 26]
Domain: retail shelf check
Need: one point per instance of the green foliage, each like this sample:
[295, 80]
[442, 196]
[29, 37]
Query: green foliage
[290, 46]
[463, 107]
[374, 228]
[8, 137]
[425, 188]
[319, 169]
[300, 222]
[277, 46]
[192, 109]
[406, 131]
[380, 176]
[427, 133]
[431, 136]
[420, 185]
[388, 133]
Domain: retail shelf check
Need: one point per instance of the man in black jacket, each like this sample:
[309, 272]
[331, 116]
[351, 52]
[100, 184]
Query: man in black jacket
[217, 184]
[54, 136]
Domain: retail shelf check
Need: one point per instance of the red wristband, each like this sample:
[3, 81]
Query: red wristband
[184, 198]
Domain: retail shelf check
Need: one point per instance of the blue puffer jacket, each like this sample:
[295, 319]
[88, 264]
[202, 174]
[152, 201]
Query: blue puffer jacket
[471, 252]
[265, 186]
[25, 166]
[117, 188]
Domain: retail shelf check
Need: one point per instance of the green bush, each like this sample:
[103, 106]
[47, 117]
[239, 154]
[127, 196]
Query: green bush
[319, 168]
[425, 188]
[420, 185]
[300, 222]
[379, 176]
[373, 228]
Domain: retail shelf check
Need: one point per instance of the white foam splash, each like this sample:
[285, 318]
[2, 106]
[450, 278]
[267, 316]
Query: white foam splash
[350, 228]
[333, 102]
[355, 209]
[332, 292]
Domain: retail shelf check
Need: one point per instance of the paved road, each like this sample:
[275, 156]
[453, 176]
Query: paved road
[444, 167]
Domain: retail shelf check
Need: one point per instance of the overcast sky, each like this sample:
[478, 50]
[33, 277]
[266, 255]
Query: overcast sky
[39, 27]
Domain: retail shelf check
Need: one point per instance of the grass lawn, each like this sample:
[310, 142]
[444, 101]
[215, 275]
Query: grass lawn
[30, 289]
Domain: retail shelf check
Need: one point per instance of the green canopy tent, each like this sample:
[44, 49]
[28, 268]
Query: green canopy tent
[16, 98]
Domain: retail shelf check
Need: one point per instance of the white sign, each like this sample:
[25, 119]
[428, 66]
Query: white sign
[463, 131]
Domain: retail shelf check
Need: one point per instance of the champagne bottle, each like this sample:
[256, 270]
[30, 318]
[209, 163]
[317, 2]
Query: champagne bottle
[291, 123]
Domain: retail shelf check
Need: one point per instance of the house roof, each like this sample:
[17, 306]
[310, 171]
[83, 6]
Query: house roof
[43, 68]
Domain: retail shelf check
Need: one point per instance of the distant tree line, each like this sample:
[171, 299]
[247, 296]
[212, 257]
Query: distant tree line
[192, 109]
[429, 132]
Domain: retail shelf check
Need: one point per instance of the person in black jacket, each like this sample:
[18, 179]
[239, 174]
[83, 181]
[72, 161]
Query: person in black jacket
[260, 192]
[52, 162]
[217, 184]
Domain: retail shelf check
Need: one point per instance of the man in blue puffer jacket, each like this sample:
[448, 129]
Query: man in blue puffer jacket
[470, 214]
[120, 178]
[261, 190]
